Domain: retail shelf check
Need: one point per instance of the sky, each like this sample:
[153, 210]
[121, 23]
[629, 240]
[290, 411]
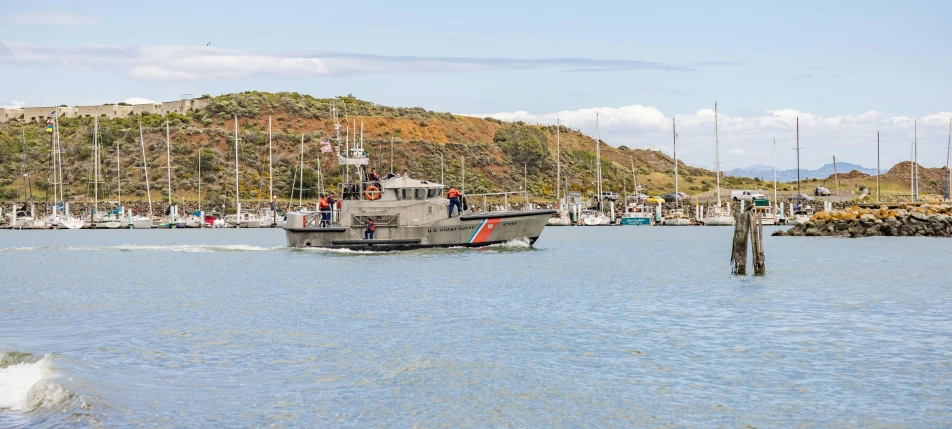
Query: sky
[846, 69]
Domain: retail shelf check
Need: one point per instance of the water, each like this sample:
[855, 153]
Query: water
[594, 327]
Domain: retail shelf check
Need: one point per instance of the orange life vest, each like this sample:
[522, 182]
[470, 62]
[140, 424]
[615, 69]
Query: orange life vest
[323, 203]
[453, 194]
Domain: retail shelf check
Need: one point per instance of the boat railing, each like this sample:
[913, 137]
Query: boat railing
[505, 199]
[359, 190]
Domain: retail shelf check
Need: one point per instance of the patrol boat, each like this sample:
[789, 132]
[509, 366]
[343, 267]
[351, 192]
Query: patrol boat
[408, 214]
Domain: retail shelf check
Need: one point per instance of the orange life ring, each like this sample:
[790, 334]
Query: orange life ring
[372, 193]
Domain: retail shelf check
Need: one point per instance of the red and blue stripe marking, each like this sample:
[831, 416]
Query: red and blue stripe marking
[485, 229]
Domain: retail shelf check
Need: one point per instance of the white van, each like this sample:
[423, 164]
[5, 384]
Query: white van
[747, 195]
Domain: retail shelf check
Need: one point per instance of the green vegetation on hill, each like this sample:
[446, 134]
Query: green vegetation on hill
[496, 153]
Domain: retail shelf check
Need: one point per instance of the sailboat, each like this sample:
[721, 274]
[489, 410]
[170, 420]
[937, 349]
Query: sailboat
[109, 219]
[19, 217]
[171, 219]
[636, 211]
[561, 216]
[56, 218]
[718, 215]
[676, 217]
[801, 214]
[239, 219]
[596, 217]
[140, 221]
[269, 215]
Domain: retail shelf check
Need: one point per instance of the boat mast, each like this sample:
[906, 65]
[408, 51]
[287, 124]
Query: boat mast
[145, 169]
[237, 202]
[915, 157]
[877, 168]
[200, 182]
[775, 173]
[270, 169]
[948, 161]
[301, 184]
[798, 158]
[168, 168]
[96, 163]
[717, 159]
[118, 174]
[598, 166]
[677, 196]
[558, 161]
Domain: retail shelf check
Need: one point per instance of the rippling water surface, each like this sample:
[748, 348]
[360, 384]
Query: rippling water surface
[594, 327]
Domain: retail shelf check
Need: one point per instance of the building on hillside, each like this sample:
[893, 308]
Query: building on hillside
[67, 112]
[179, 106]
[108, 111]
[200, 103]
[8, 114]
[148, 108]
[37, 114]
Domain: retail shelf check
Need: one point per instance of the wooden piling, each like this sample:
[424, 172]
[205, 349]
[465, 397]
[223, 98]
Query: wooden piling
[739, 251]
[757, 244]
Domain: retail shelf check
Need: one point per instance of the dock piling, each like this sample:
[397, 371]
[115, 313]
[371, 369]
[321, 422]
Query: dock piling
[739, 252]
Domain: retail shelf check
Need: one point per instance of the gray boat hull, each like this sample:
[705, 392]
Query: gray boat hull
[473, 230]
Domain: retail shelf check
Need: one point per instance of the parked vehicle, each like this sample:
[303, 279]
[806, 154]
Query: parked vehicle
[747, 195]
[801, 197]
[610, 196]
[821, 191]
[654, 200]
[670, 198]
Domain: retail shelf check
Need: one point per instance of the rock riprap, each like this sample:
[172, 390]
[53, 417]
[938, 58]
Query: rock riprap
[926, 220]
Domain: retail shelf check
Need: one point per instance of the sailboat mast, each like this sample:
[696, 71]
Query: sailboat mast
[118, 174]
[558, 161]
[200, 181]
[915, 156]
[270, 168]
[145, 170]
[301, 185]
[948, 161]
[798, 158]
[717, 159]
[598, 165]
[836, 178]
[677, 196]
[877, 168]
[96, 163]
[237, 202]
[775, 171]
[168, 166]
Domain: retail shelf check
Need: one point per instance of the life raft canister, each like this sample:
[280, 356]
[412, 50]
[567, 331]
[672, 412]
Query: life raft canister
[372, 193]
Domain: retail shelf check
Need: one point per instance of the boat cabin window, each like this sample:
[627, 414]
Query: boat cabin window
[407, 194]
[419, 193]
[432, 193]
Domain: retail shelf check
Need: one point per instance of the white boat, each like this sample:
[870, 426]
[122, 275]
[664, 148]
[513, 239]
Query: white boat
[801, 216]
[108, 220]
[719, 215]
[593, 218]
[560, 218]
[636, 212]
[676, 217]
[270, 218]
[243, 220]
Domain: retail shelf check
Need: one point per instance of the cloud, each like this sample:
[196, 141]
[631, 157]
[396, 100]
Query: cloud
[51, 19]
[138, 100]
[14, 104]
[194, 63]
[748, 140]
[802, 76]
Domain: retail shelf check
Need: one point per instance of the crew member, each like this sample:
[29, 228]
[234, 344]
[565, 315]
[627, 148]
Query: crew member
[323, 208]
[369, 231]
[373, 177]
[454, 195]
[330, 208]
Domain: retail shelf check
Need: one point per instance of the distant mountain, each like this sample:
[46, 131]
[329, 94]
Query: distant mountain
[765, 172]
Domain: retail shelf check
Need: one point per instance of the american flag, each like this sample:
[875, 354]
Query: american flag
[326, 146]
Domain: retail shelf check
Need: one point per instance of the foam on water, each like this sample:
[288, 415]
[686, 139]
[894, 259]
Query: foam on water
[25, 383]
[195, 248]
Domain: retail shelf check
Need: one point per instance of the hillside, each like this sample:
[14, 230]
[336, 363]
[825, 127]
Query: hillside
[495, 152]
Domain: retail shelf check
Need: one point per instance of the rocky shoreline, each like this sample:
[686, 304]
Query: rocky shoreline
[901, 221]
